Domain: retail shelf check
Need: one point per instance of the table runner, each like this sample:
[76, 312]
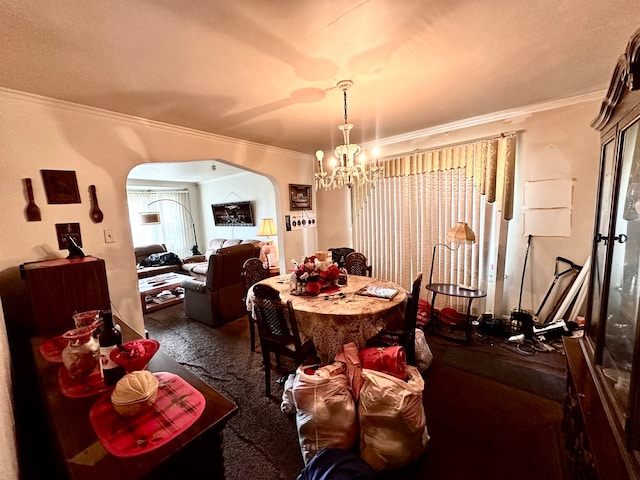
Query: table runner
[177, 407]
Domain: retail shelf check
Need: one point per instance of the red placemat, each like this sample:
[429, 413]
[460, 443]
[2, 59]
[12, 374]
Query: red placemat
[51, 349]
[177, 407]
[84, 387]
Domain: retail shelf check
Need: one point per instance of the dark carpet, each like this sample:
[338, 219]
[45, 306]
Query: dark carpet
[491, 413]
[489, 366]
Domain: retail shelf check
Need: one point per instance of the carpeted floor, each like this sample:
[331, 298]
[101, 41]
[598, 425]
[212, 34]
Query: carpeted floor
[491, 413]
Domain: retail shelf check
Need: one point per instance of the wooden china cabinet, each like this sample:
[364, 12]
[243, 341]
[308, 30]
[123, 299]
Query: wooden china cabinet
[602, 407]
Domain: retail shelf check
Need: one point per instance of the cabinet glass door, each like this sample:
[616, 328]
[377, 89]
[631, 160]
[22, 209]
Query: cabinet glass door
[602, 230]
[623, 292]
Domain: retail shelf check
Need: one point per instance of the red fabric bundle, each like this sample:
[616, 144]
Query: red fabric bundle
[389, 360]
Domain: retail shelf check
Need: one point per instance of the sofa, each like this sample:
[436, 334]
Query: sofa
[219, 298]
[143, 252]
[196, 266]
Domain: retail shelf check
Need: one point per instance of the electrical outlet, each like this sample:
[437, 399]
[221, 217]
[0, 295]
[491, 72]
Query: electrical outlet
[109, 236]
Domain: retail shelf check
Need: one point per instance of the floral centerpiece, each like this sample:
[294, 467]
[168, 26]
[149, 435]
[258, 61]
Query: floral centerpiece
[314, 274]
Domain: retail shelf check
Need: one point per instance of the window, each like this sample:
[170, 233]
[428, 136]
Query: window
[423, 194]
[175, 229]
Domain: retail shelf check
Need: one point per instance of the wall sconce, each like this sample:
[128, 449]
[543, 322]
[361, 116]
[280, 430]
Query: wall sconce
[459, 233]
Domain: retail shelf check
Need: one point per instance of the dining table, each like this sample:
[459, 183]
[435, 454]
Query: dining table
[339, 315]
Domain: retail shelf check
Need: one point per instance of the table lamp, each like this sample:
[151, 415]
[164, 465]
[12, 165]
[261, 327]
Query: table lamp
[269, 251]
[459, 233]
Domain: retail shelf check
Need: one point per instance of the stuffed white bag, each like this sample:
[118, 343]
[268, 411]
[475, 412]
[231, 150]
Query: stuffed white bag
[393, 430]
[287, 406]
[325, 411]
[424, 357]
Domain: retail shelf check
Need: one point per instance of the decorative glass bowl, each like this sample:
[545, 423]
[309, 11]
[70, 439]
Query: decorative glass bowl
[135, 355]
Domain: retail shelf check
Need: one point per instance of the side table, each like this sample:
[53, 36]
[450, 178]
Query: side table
[453, 290]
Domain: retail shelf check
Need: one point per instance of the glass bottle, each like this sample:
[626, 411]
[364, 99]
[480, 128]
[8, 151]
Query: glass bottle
[342, 274]
[110, 338]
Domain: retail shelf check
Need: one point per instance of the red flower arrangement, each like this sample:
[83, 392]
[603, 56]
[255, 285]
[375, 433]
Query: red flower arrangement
[315, 274]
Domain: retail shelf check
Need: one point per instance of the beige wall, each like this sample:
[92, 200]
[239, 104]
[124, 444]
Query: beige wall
[8, 453]
[101, 147]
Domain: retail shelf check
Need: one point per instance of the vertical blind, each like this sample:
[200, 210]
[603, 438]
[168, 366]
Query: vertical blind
[175, 228]
[398, 220]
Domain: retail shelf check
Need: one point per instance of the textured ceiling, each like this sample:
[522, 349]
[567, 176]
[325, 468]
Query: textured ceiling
[266, 71]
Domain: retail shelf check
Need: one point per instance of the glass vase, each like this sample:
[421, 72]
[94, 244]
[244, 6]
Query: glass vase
[80, 356]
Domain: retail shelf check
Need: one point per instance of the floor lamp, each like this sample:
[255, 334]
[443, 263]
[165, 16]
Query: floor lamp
[459, 233]
[153, 218]
[269, 250]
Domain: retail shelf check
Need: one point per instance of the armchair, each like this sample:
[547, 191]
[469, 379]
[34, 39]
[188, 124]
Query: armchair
[219, 298]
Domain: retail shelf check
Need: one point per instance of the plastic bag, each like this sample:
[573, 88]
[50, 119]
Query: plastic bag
[350, 356]
[390, 360]
[393, 430]
[424, 357]
[325, 410]
[287, 405]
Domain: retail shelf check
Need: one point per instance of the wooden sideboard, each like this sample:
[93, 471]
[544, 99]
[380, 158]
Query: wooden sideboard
[198, 450]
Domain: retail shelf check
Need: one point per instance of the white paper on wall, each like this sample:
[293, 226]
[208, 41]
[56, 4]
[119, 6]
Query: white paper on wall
[548, 193]
[552, 222]
[305, 220]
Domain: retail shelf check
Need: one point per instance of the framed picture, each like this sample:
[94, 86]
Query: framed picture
[60, 186]
[299, 197]
[236, 214]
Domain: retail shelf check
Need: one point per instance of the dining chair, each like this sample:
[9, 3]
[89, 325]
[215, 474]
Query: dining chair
[356, 264]
[278, 331]
[253, 271]
[339, 254]
[406, 334]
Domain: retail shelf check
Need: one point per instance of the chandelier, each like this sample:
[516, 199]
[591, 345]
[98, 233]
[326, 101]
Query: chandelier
[346, 171]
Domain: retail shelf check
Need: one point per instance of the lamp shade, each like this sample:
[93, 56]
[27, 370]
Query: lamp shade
[267, 228]
[461, 233]
[149, 218]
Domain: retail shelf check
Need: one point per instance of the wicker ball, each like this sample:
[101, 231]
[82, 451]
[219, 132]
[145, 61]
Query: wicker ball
[135, 393]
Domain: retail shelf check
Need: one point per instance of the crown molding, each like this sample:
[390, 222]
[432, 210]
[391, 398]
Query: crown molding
[626, 77]
[140, 121]
[501, 116]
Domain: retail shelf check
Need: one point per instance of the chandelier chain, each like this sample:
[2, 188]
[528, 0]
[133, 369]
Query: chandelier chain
[345, 105]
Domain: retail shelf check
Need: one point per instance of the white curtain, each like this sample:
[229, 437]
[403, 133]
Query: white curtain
[175, 229]
[398, 221]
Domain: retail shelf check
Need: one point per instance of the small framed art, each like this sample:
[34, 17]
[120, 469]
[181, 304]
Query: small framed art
[299, 197]
[60, 186]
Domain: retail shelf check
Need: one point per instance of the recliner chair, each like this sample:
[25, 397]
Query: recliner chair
[219, 299]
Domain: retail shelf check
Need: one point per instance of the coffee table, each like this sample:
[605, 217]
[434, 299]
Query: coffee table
[161, 291]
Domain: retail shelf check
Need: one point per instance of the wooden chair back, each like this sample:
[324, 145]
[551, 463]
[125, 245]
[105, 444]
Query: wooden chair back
[278, 330]
[253, 271]
[356, 264]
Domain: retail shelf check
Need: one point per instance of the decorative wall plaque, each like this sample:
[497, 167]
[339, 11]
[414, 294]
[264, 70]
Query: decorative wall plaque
[65, 230]
[61, 186]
